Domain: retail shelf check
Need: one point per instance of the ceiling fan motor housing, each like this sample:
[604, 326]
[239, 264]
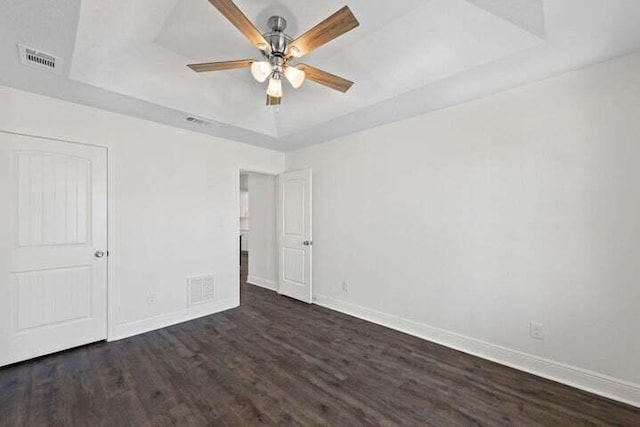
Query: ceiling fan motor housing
[277, 38]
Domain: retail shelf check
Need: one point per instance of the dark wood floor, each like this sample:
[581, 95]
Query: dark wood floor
[276, 361]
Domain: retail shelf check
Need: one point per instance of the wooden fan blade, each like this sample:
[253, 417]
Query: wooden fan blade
[222, 65]
[331, 28]
[324, 78]
[241, 22]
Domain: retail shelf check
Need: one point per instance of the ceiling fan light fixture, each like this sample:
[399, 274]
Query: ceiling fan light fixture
[295, 76]
[295, 52]
[261, 70]
[274, 89]
[277, 48]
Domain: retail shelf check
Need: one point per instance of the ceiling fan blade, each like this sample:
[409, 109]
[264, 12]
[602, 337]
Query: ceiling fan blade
[331, 28]
[222, 65]
[241, 22]
[324, 78]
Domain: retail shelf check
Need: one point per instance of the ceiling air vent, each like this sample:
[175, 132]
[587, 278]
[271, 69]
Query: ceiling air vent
[40, 60]
[197, 121]
[201, 289]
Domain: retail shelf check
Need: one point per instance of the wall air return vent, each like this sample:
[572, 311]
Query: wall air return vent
[201, 289]
[40, 60]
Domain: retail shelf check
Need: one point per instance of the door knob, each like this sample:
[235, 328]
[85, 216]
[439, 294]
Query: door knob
[308, 242]
[99, 254]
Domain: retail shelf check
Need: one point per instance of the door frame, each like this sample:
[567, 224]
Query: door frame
[111, 226]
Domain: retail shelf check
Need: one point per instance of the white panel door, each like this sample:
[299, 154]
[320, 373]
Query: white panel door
[294, 234]
[53, 240]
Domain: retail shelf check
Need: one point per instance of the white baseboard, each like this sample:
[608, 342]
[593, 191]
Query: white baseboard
[263, 283]
[603, 385]
[126, 330]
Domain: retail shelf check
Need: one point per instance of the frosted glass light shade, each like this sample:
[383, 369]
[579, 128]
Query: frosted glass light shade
[261, 70]
[275, 87]
[295, 76]
[295, 52]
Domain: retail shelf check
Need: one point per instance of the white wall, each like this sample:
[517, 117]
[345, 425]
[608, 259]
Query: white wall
[263, 263]
[466, 224]
[175, 196]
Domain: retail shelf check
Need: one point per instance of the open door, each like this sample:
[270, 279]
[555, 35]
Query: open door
[294, 234]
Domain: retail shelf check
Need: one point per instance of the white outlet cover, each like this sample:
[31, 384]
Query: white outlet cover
[536, 331]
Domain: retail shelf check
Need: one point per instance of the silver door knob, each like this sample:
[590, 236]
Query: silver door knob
[308, 242]
[99, 254]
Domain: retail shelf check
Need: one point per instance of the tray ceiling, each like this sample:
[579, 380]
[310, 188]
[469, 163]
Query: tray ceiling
[407, 57]
[140, 48]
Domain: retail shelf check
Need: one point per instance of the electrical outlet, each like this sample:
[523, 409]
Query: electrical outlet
[536, 331]
[345, 287]
[151, 299]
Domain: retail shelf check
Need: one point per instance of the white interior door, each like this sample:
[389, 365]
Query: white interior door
[294, 234]
[53, 240]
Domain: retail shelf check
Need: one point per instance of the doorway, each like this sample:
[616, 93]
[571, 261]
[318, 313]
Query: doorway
[257, 230]
[275, 232]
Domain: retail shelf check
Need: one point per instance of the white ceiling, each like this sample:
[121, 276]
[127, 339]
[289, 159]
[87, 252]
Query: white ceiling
[407, 57]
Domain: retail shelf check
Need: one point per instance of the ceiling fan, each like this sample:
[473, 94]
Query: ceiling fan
[279, 49]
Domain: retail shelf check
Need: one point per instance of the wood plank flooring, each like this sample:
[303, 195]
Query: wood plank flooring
[275, 361]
